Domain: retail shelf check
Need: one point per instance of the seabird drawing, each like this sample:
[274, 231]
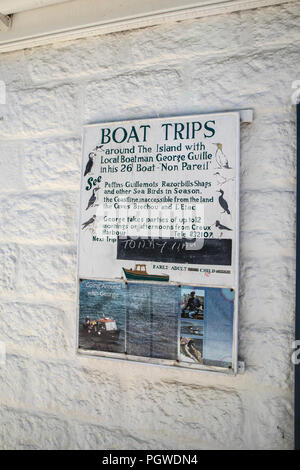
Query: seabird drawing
[90, 163]
[93, 198]
[221, 227]
[221, 179]
[221, 159]
[89, 222]
[223, 202]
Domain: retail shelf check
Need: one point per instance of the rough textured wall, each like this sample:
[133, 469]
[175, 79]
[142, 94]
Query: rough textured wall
[49, 396]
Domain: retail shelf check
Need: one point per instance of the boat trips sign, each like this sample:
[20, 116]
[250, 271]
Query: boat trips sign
[158, 247]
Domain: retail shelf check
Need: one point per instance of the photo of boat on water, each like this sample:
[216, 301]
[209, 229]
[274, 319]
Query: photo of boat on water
[191, 327]
[139, 319]
[102, 316]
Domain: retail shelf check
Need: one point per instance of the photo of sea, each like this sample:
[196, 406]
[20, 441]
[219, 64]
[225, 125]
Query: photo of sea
[102, 316]
[218, 326]
[152, 320]
[142, 318]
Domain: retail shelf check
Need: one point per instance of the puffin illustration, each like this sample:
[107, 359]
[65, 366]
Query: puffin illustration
[223, 203]
[93, 198]
[90, 163]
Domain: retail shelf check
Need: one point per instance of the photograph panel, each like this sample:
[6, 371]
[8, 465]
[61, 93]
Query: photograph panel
[102, 316]
[152, 320]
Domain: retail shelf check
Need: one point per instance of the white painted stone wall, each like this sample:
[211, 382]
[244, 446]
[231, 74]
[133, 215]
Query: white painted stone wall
[51, 398]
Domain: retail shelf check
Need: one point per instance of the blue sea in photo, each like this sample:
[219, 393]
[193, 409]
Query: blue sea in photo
[152, 320]
[218, 326]
[146, 314]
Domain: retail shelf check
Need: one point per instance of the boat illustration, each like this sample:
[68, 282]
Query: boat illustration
[104, 329]
[139, 273]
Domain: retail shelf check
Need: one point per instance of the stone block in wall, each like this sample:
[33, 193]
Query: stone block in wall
[268, 211]
[178, 410]
[11, 167]
[268, 420]
[47, 272]
[33, 216]
[261, 79]
[9, 257]
[22, 429]
[268, 152]
[133, 95]
[35, 327]
[267, 354]
[275, 26]
[79, 59]
[40, 111]
[266, 292]
[262, 245]
[52, 164]
[14, 70]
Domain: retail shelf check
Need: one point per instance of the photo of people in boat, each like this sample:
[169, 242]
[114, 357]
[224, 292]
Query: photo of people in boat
[102, 316]
[191, 325]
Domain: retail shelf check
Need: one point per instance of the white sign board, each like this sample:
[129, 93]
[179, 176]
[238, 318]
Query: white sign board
[160, 203]
[171, 182]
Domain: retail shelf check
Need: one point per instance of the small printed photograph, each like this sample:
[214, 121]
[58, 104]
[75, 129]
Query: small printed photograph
[219, 326]
[191, 327]
[191, 349]
[152, 320]
[102, 316]
[192, 303]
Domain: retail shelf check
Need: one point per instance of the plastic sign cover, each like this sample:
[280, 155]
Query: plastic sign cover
[158, 239]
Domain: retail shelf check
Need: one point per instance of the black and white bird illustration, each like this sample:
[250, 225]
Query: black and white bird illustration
[93, 198]
[90, 163]
[221, 179]
[98, 147]
[89, 222]
[221, 159]
[223, 203]
[221, 227]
